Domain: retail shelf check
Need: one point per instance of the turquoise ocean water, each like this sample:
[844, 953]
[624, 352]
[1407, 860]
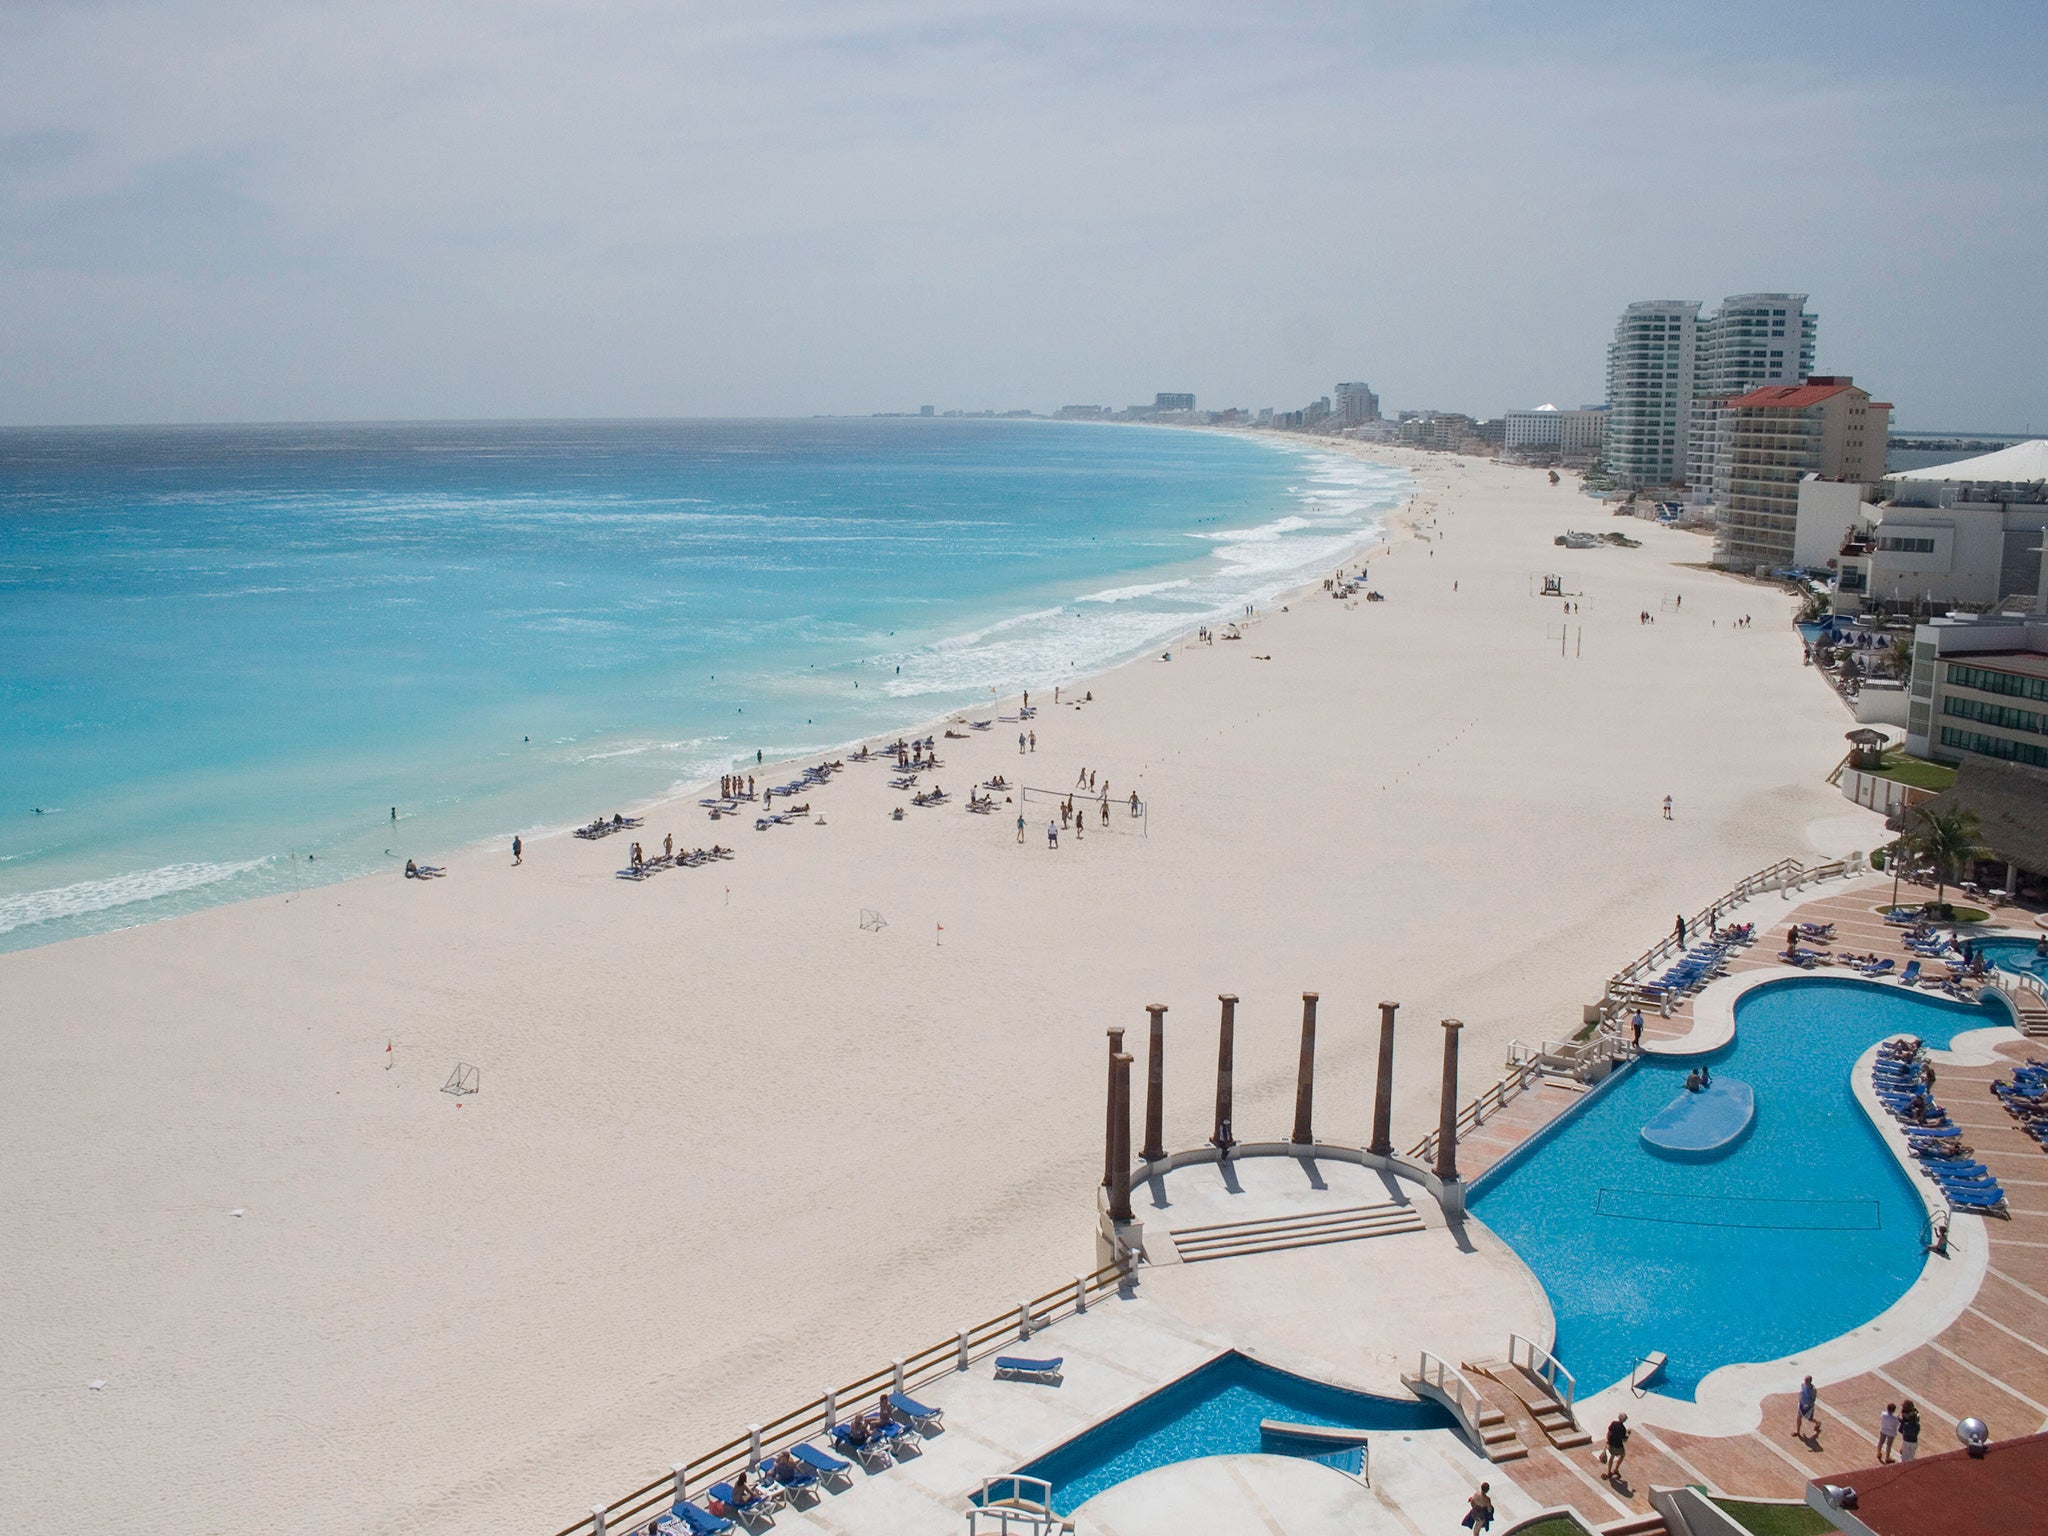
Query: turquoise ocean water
[225, 649]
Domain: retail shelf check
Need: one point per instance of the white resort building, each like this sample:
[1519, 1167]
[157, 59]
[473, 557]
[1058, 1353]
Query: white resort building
[1756, 339]
[1650, 368]
[1967, 534]
[1574, 436]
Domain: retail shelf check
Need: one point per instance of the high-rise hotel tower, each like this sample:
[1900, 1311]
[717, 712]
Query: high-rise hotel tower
[1650, 368]
[1670, 372]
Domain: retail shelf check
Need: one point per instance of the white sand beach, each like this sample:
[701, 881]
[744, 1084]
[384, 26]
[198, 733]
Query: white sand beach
[731, 1148]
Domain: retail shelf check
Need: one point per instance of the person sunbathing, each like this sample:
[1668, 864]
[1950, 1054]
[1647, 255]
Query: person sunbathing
[412, 870]
[786, 1467]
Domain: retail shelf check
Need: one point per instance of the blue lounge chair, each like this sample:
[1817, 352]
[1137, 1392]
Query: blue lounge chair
[747, 1511]
[1019, 1365]
[871, 1452]
[1910, 976]
[1976, 1200]
[924, 1418]
[800, 1480]
[699, 1521]
[824, 1463]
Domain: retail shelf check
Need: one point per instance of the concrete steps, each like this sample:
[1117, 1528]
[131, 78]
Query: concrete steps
[1498, 1438]
[1641, 1525]
[2028, 1009]
[1235, 1239]
[1551, 1418]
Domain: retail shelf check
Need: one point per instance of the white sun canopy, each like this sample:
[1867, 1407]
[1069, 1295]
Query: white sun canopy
[2021, 462]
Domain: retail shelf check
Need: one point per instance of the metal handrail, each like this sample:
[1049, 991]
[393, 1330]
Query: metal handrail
[1545, 1367]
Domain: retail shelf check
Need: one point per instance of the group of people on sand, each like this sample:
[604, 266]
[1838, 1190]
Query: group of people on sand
[668, 852]
[736, 786]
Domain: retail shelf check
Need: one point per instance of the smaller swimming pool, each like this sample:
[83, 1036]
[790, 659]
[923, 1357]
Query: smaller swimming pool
[2014, 954]
[1215, 1411]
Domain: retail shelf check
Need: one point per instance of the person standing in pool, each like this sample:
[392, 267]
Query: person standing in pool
[1809, 1402]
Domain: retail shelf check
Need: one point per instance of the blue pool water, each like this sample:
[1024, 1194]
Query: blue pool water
[1213, 1411]
[1807, 1229]
[227, 649]
[2014, 955]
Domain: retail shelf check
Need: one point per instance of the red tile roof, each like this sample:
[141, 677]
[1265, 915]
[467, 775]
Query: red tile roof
[1954, 1494]
[1789, 397]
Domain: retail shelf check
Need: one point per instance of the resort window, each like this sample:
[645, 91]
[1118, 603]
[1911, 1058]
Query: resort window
[2001, 715]
[1905, 546]
[1994, 746]
[1985, 680]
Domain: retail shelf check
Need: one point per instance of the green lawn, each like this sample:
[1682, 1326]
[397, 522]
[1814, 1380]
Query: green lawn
[1556, 1525]
[1914, 771]
[1774, 1519]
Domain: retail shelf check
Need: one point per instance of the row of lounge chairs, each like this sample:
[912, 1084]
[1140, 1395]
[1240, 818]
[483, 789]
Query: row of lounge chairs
[692, 859]
[1699, 965]
[776, 1482]
[603, 828]
[2025, 1098]
[1904, 1086]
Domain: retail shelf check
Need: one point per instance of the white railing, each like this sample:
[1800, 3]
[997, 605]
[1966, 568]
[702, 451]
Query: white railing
[1473, 1115]
[1012, 1502]
[1458, 1394]
[1545, 1367]
[1576, 1057]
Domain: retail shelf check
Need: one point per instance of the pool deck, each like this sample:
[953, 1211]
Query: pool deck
[1354, 1313]
[1991, 1361]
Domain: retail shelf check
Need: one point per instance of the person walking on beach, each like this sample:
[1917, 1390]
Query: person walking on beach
[1809, 1402]
[1887, 1433]
[1020, 743]
[1617, 1447]
[1020, 826]
[518, 853]
[1681, 930]
[1052, 834]
[1479, 1516]
[1667, 807]
[1034, 741]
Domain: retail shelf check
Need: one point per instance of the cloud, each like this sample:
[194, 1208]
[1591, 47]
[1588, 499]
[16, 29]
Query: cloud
[615, 207]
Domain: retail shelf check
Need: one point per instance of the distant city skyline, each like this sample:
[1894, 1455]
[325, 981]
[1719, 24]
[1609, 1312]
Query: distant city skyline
[214, 213]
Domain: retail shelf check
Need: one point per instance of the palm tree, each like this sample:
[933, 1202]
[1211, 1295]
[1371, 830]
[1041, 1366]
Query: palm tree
[1948, 839]
[1900, 653]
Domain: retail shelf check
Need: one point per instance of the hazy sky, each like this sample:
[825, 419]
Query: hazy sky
[275, 210]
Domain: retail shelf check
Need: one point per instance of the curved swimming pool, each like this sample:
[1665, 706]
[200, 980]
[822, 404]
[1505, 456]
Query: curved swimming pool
[1809, 1228]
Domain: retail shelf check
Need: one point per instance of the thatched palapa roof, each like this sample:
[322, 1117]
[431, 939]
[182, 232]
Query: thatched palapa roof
[2011, 804]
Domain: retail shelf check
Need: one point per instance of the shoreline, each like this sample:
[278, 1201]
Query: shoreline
[730, 1144]
[683, 793]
